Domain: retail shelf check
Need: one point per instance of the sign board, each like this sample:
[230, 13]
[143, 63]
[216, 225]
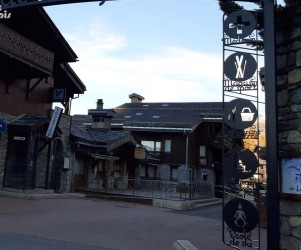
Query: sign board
[240, 113]
[66, 162]
[2, 126]
[291, 175]
[53, 122]
[240, 163]
[139, 153]
[59, 95]
[19, 138]
[240, 24]
[241, 215]
[240, 127]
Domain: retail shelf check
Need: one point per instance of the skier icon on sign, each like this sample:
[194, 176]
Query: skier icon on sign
[240, 215]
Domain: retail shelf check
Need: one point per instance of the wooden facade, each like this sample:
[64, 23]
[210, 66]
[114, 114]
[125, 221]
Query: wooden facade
[184, 139]
[34, 59]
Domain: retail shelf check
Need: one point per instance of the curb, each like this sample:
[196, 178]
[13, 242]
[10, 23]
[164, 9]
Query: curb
[38, 196]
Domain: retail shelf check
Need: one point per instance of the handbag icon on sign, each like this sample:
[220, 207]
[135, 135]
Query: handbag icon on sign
[246, 114]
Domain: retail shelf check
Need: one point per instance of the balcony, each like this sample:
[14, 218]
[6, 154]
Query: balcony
[23, 55]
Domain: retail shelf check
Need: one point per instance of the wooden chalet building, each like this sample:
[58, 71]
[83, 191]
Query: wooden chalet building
[34, 74]
[184, 139]
[182, 142]
[103, 158]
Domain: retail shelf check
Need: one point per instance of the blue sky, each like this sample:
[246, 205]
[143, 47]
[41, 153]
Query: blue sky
[166, 51]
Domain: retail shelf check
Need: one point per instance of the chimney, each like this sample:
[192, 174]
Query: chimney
[101, 117]
[135, 98]
[99, 104]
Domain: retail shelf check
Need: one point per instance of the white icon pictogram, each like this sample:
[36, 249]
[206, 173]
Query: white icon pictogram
[240, 65]
[240, 217]
[246, 114]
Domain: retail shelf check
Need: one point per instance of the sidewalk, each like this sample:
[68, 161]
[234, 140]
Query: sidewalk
[172, 204]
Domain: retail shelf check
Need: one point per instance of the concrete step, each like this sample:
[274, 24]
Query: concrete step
[117, 197]
[208, 202]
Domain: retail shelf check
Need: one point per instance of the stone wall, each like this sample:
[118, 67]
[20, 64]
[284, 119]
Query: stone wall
[66, 174]
[3, 147]
[290, 224]
[289, 117]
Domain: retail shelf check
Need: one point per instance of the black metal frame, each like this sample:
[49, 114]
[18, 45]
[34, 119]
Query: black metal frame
[273, 228]
[238, 93]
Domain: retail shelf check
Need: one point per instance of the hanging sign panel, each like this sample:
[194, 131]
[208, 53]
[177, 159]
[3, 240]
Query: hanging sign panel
[240, 114]
[240, 163]
[54, 122]
[240, 66]
[2, 126]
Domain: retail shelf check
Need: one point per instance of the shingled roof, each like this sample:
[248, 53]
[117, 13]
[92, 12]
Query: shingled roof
[166, 116]
[98, 138]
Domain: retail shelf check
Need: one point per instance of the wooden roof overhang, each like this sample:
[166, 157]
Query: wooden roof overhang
[27, 123]
[66, 78]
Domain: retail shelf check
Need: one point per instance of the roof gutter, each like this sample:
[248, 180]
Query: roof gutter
[157, 128]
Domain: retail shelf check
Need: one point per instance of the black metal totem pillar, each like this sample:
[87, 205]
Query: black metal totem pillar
[241, 229]
[273, 227]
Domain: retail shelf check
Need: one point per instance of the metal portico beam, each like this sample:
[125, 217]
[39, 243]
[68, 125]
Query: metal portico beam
[14, 4]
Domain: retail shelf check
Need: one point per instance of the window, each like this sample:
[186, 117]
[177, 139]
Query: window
[203, 160]
[167, 146]
[142, 171]
[152, 171]
[152, 145]
[174, 173]
[211, 129]
[202, 151]
[158, 146]
[148, 171]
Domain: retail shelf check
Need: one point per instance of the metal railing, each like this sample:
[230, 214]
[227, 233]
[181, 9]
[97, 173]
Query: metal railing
[155, 189]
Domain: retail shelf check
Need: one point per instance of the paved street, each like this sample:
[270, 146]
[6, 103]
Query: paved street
[87, 224]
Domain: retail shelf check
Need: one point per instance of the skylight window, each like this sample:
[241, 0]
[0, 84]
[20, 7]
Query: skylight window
[165, 105]
[145, 105]
[156, 116]
[87, 123]
[127, 116]
[139, 113]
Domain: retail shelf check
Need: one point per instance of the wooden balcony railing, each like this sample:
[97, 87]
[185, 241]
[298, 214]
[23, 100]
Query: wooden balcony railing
[22, 49]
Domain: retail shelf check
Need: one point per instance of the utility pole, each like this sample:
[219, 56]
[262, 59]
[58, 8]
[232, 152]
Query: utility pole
[271, 126]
